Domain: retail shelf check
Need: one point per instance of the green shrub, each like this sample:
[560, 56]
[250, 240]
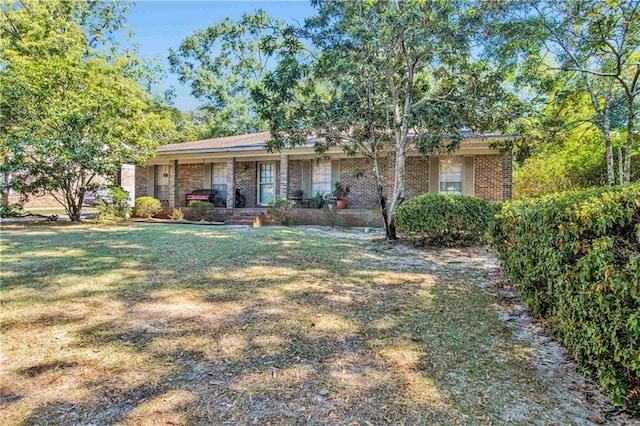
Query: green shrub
[448, 220]
[278, 212]
[114, 205]
[177, 214]
[147, 207]
[200, 209]
[11, 210]
[575, 258]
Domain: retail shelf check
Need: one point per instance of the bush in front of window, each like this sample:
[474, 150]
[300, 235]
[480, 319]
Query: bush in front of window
[445, 220]
[147, 207]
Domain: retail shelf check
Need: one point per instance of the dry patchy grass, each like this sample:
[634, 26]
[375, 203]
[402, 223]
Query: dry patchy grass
[164, 324]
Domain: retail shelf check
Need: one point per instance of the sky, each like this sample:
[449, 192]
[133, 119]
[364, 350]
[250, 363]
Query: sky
[160, 25]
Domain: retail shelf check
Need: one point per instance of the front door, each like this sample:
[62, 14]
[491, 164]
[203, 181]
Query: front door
[266, 183]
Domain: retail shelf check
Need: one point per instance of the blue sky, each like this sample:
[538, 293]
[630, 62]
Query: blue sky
[160, 25]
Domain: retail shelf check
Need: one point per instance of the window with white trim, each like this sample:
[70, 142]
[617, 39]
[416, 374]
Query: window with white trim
[451, 175]
[321, 178]
[219, 179]
[161, 179]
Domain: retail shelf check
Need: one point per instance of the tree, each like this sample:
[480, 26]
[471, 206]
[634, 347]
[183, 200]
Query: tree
[389, 78]
[222, 63]
[595, 45]
[70, 112]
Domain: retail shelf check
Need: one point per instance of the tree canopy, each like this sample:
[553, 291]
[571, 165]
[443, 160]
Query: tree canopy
[566, 49]
[388, 78]
[71, 109]
[221, 64]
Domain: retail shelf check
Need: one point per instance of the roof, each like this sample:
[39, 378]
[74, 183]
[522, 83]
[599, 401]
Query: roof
[227, 143]
[255, 141]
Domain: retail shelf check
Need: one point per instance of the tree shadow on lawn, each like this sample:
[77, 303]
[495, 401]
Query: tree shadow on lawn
[276, 326]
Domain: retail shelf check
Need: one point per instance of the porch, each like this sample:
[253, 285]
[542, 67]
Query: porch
[240, 163]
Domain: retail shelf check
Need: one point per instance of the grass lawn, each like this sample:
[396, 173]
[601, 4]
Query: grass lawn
[174, 324]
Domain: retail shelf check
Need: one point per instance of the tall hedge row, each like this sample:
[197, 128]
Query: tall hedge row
[575, 257]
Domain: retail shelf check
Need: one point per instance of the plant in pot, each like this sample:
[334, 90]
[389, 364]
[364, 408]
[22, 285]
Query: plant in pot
[340, 194]
[318, 200]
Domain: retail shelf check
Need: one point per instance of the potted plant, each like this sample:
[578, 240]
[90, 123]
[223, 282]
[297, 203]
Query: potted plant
[318, 200]
[340, 194]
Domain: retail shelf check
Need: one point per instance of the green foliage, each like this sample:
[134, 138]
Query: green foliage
[222, 64]
[573, 50]
[10, 210]
[447, 220]
[278, 211]
[72, 110]
[319, 200]
[201, 209]
[388, 77]
[341, 192]
[575, 257]
[560, 165]
[177, 214]
[114, 206]
[147, 207]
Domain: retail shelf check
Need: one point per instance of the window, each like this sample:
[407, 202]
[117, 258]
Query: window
[321, 178]
[266, 183]
[451, 175]
[161, 189]
[219, 179]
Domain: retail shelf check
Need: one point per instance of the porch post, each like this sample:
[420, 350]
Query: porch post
[284, 177]
[231, 182]
[174, 199]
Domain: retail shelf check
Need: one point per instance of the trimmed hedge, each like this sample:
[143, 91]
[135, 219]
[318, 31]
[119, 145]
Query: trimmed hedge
[147, 207]
[574, 257]
[201, 209]
[445, 220]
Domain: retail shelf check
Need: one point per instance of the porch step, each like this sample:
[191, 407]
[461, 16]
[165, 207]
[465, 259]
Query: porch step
[240, 217]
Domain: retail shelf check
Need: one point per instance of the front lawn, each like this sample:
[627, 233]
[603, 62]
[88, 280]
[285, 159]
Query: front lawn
[175, 324]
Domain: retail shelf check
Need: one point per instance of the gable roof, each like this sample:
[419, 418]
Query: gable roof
[227, 143]
[257, 141]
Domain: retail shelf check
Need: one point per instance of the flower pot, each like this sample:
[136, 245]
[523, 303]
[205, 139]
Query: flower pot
[342, 204]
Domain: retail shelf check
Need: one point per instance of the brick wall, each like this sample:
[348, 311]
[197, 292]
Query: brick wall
[357, 173]
[489, 180]
[141, 182]
[295, 177]
[417, 170]
[190, 178]
[492, 179]
[507, 176]
[246, 173]
[325, 217]
[283, 174]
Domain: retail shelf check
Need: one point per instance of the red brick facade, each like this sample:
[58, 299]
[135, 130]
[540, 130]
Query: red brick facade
[491, 178]
[141, 182]
[190, 178]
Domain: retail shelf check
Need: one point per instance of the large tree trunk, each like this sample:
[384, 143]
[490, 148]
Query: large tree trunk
[606, 132]
[398, 186]
[388, 225]
[626, 171]
[620, 164]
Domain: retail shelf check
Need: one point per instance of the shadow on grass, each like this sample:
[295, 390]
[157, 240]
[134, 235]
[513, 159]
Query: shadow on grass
[266, 325]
